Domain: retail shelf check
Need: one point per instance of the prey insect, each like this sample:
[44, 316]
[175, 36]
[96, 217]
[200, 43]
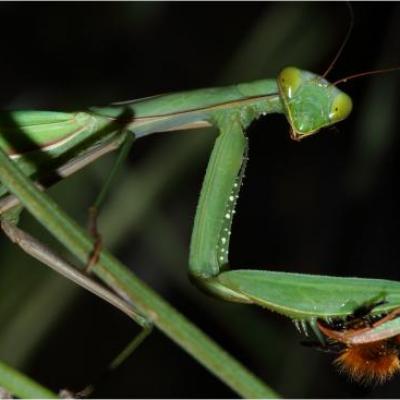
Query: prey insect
[368, 345]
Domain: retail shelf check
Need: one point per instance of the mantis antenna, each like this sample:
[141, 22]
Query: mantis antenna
[340, 51]
[368, 73]
[346, 39]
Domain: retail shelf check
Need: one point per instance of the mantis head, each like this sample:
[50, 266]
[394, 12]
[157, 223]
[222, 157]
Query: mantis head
[311, 102]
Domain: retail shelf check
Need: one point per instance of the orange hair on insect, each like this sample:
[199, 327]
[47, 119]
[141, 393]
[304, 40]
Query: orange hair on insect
[365, 361]
[375, 361]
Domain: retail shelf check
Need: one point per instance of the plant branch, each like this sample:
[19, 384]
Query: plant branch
[127, 285]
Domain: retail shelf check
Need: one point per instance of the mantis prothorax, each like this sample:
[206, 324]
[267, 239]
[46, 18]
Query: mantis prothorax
[310, 104]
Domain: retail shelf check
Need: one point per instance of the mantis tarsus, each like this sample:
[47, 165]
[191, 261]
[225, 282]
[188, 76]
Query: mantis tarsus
[310, 103]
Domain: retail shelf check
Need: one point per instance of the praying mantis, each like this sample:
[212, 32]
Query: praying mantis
[303, 298]
[309, 102]
[231, 110]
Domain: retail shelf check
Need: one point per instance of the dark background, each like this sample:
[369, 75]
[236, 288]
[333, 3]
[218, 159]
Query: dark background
[327, 205]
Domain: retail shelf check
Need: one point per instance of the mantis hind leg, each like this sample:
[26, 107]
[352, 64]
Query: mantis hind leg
[93, 229]
[94, 209]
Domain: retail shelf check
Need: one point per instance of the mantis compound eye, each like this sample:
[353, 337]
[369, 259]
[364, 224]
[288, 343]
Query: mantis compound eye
[289, 81]
[341, 108]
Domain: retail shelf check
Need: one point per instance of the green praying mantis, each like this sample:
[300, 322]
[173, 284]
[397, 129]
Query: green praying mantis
[47, 146]
[309, 102]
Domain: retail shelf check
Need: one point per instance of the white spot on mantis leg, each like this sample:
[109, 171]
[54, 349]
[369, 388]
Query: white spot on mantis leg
[231, 198]
[227, 216]
[223, 240]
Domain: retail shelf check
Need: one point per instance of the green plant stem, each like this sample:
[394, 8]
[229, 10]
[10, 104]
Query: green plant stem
[119, 278]
[22, 386]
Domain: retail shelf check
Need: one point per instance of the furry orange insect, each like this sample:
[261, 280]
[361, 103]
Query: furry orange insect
[365, 353]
